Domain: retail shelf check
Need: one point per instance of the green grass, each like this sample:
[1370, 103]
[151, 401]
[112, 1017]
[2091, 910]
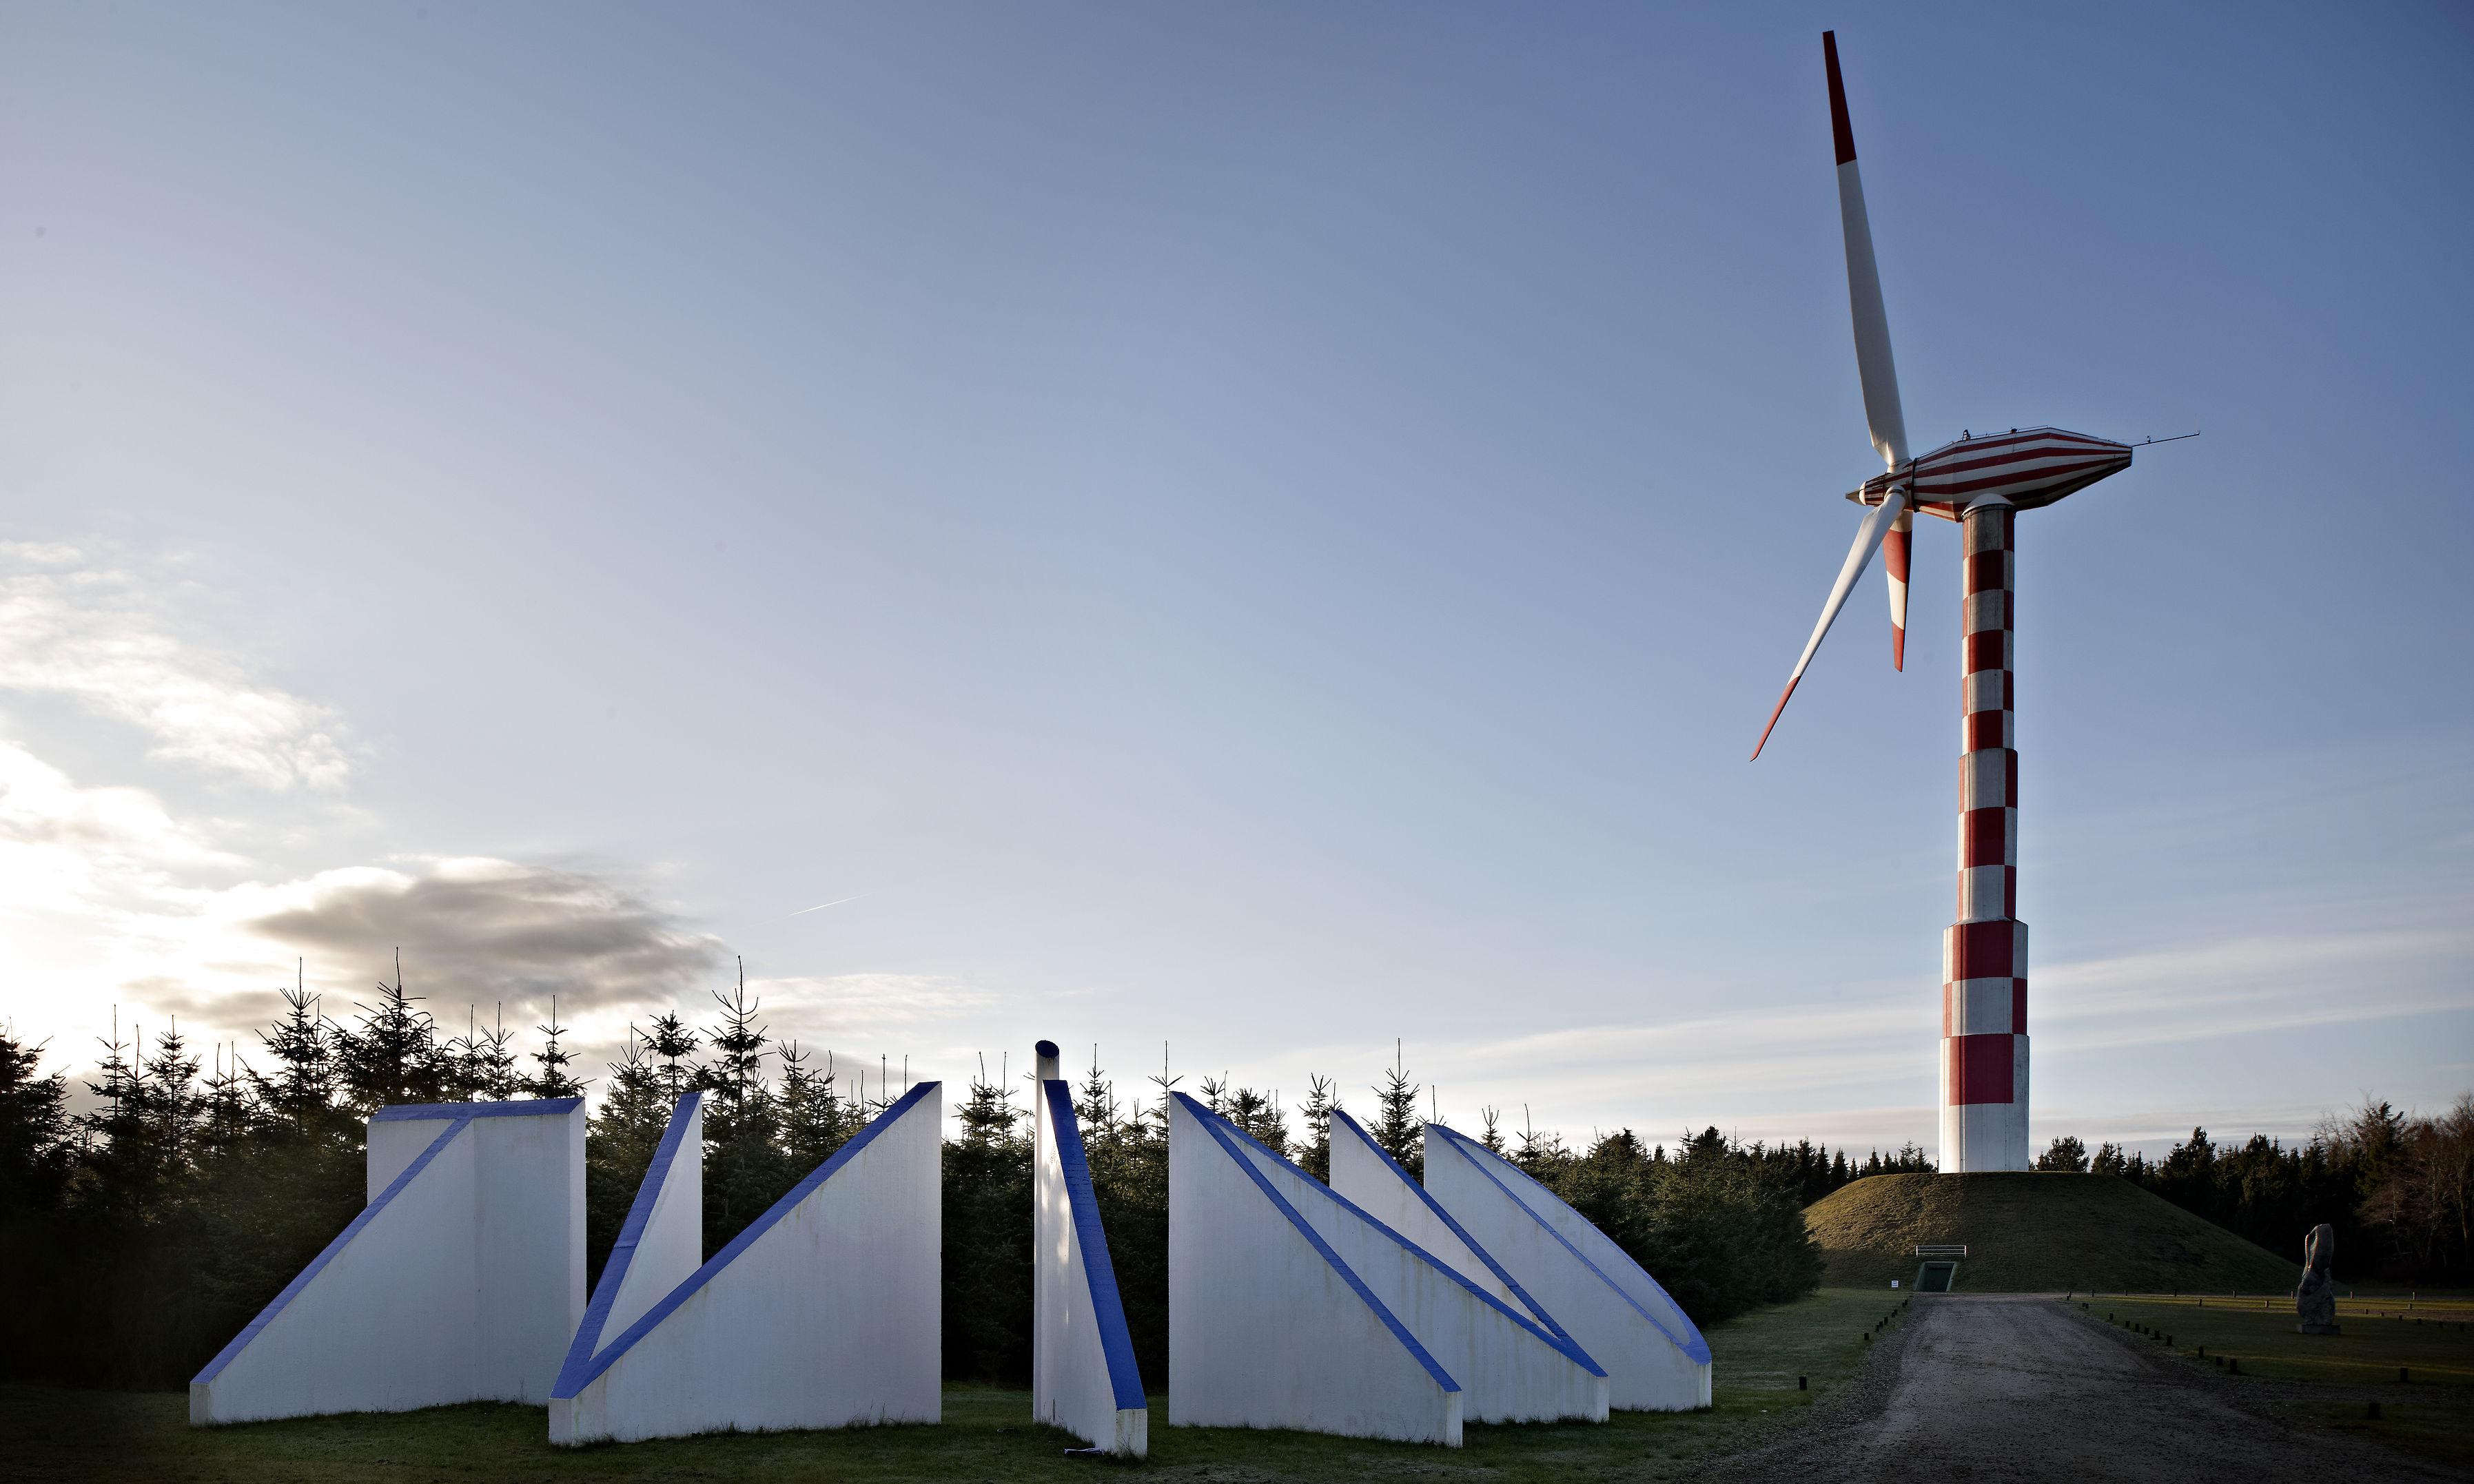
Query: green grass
[2439, 1433]
[2033, 1234]
[2267, 1344]
[2438, 1355]
[987, 1434]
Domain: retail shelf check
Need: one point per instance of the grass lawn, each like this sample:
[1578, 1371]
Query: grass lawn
[987, 1434]
[2436, 1351]
[2380, 1335]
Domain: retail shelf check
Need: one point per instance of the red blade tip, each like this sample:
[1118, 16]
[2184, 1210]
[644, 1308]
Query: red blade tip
[1841, 133]
[1774, 716]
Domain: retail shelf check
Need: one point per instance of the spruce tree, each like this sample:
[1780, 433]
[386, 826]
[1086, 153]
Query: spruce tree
[395, 1056]
[176, 1112]
[1314, 1155]
[1158, 1120]
[1095, 1107]
[230, 1112]
[675, 1042]
[118, 1086]
[621, 1139]
[1541, 1156]
[35, 1130]
[1260, 1116]
[735, 1074]
[122, 1171]
[303, 1090]
[1130, 1179]
[808, 1111]
[1490, 1130]
[987, 1234]
[2067, 1157]
[552, 1079]
[1397, 1126]
[635, 1107]
[482, 1063]
[744, 1168]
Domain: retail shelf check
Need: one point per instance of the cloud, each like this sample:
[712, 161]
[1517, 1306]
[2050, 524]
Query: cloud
[932, 1019]
[1841, 1070]
[2279, 981]
[108, 900]
[483, 930]
[57, 839]
[1680, 1064]
[107, 638]
[109, 897]
[83, 871]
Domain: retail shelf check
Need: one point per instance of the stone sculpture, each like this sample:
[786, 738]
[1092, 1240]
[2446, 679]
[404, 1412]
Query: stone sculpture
[2315, 1297]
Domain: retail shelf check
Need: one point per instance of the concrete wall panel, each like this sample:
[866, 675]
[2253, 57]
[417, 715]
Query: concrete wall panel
[823, 1313]
[1365, 1175]
[659, 1246]
[1266, 1328]
[448, 1287]
[1655, 1357]
[1503, 1364]
[1082, 1374]
[1369, 1179]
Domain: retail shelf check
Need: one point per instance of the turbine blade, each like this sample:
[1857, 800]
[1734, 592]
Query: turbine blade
[1893, 568]
[1880, 374]
[1868, 536]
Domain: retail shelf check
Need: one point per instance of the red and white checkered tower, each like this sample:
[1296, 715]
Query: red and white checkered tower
[1981, 484]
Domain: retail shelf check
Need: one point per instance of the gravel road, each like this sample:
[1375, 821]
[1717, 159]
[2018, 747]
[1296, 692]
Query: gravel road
[2001, 1388]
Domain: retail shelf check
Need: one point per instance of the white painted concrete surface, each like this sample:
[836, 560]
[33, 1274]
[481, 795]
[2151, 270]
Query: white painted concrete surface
[1290, 1308]
[460, 1281]
[1082, 1374]
[823, 1313]
[659, 1246]
[1655, 1357]
[1367, 1176]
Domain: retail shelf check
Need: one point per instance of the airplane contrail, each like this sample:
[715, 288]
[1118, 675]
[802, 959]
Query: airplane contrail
[821, 906]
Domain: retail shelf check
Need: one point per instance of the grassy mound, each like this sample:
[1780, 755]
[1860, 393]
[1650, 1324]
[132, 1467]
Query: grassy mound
[2035, 1233]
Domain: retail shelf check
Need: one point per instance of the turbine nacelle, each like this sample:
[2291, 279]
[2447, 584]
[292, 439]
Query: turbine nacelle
[2025, 467]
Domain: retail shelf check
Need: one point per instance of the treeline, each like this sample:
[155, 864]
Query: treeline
[2399, 1189]
[144, 1233]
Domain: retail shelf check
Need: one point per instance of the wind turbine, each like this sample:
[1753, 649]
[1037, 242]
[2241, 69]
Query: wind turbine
[1981, 484]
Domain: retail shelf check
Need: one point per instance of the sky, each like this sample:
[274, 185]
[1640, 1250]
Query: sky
[1239, 535]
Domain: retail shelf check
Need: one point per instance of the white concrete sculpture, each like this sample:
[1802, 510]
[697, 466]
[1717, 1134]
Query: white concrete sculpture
[1291, 1307]
[459, 1282]
[1365, 1174]
[1083, 1373]
[659, 1247]
[825, 1312]
[1656, 1358]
